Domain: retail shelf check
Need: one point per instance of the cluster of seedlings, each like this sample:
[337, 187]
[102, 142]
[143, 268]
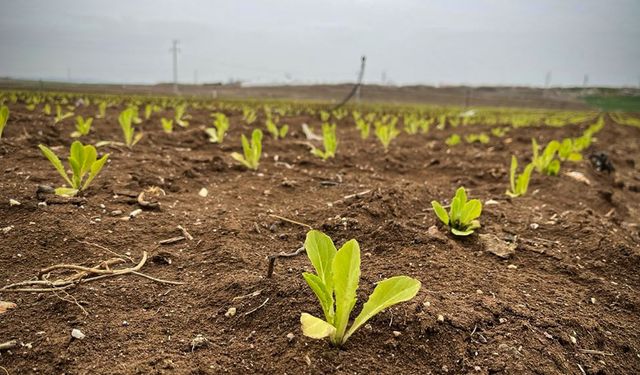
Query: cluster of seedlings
[337, 271]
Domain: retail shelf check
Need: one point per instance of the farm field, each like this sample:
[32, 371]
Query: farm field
[548, 284]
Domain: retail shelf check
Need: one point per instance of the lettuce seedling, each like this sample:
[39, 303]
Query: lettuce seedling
[221, 124]
[463, 214]
[252, 152]
[60, 116]
[167, 124]
[568, 150]
[126, 123]
[482, 138]
[46, 109]
[102, 110]
[272, 128]
[82, 126]
[364, 126]
[83, 162]
[546, 162]
[453, 140]
[325, 116]
[335, 284]
[180, 115]
[329, 141]
[148, 109]
[249, 115]
[386, 133]
[520, 184]
[4, 116]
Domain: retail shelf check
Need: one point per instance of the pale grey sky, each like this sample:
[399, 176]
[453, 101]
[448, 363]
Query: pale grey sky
[505, 42]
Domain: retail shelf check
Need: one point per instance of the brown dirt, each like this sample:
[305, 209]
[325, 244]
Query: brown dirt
[497, 319]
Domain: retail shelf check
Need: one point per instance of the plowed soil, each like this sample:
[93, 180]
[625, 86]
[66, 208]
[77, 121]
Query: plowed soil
[566, 302]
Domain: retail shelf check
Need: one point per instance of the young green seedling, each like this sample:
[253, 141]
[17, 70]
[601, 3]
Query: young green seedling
[364, 126]
[126, 123]
[452, 140]
[252, 152]
[463, 214]
[148, 109]
[546, 162]
[520, 184]
[167, 124]
[180, 115]
[4, 116]
[102, 109]
[60, 116]
[329, 141]
[82, 126]
[249, 115]
[568, 150]
[47, 109]
[83, 162]
[276, 133]
[335, 284]
[386, 133]
[221, 124]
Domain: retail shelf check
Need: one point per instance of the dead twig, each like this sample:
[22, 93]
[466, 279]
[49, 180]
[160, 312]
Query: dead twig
[105, 249]
[272, 259]
[186, 234]
[171, 240]
[5, 370]
[9, 345]
[257, 308]
[146, 204]
[595, 352]
[351, 196]
[291, 221]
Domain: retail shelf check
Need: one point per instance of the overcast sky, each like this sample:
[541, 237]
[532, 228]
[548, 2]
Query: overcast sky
[475, 42]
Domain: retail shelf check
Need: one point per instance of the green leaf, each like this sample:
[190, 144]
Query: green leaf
[95, 169]
[346, 276]
[440, 212]
[66, 192]
[387, 293]
[471, 211]
[315, 328]
[238, 157]
[321, 252]
[512, 173]
[53, 158]
[574, 156]
[461, 232]
[324, 294]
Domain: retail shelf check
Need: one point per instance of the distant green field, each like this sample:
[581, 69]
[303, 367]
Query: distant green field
[614, 103]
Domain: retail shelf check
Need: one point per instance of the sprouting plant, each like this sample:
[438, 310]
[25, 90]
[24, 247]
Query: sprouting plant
[463, 214]
[442, 122]
[386, 132]
[339, 113]
[569, 150]
[272, 128]
[252, 152]
[329, 142]
[82, 126]
[249, 115]
[453, 140]
[148, 109]
[482, 138]
[47, 109]
[364, 126]
[519, 184]
[167, 124]
[499, 132]
[4, 116]
[180, 115]
[221, 124]
[102, 109]
[126, 123]
[84, 162]
[325, 116]
[335, 284]
[546, 162]
[60, 116]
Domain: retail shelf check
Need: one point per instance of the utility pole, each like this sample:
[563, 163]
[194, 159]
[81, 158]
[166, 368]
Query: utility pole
[585, 81]
[547, 80]
[175, 50]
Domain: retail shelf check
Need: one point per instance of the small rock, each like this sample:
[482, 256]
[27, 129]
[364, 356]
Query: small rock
[203, 192]
[6, 230]
[368, 327]
[198, 342]
[478, 291]
[435, 233]
[290, 336]
[512, 267]
[578, 176]
[13, 202]
[593, 300]
[125, 323]
[534, 226]
[397, 333]
[496, 246]
[440, 318]
[573, 340]
[77, 334]
[426, 304]
[135, 213]
[502, 320]
[491, 202]
[116, 212]
[231, 312]
[42, 204]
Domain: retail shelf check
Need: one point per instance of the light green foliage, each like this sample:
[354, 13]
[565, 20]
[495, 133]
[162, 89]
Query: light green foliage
[413, 123]
[60, 116]
[499, 132]
[82, 126]
[568, 150]
[148, 109]
[4, 116]
[463, 214]
[482, 138]
[329, 141]
[325, 116]
[83, 162]
[364, 127]
[546, 162]
[249, 115]
[47, 109]
[272, 128]
[252, 152]
[339, 113]
[335, 284]
[221, 124]
[519, 184]
[386, 132]
[180, 117]
[126, 123]
[102, 109]
[452, 140]
[442, 122]
[167, 124]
